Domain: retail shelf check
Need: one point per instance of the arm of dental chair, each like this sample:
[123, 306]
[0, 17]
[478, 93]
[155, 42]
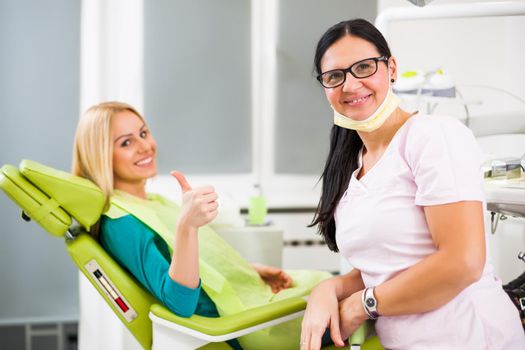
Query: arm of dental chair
[224, 328]
[232, 326]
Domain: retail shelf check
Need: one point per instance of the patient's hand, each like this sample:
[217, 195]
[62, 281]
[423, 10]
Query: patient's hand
[275, 277]
[199, 205]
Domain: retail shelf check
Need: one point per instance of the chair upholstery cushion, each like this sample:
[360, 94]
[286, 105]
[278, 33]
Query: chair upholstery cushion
[81, 198]
[34, 203]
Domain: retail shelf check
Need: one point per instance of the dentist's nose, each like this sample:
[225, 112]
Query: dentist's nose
[351, 83]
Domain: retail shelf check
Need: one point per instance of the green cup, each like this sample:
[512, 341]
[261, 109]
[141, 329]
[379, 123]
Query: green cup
[257, 210]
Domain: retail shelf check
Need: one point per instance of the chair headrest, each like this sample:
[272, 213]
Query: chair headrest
[48, 195]
[54, 220]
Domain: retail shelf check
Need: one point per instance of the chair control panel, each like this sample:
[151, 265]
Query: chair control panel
[112, 293]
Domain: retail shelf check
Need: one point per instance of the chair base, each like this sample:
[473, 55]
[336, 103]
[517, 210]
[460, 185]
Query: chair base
[166, 338]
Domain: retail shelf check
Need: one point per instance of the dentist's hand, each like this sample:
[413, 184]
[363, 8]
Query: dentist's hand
[352, 314]
[199, 205]
[321, 313]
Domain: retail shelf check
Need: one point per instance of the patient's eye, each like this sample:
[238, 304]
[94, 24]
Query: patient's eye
[125, 143]
[144, 134]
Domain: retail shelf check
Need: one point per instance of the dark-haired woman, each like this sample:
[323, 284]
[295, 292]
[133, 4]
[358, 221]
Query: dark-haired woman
[402, 200]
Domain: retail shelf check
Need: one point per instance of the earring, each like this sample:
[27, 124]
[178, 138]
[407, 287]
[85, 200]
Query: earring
[392, 80]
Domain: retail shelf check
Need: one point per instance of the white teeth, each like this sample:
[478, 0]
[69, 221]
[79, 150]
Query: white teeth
[144, 161]
[361, 99]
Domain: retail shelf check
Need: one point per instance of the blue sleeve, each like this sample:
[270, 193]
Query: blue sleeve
[142, 252]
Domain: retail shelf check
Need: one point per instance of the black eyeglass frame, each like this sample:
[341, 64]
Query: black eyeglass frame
[349, 70]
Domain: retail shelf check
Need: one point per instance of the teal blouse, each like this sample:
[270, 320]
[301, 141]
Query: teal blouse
[145, 254]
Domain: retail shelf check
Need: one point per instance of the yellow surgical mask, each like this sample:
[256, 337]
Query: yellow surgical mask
[374, 122]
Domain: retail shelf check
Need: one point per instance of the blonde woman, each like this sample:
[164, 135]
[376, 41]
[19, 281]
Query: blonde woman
[170, 250]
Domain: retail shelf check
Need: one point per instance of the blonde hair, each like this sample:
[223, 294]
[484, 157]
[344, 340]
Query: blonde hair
[93, 145]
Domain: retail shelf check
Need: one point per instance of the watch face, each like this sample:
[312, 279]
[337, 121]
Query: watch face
[370, 302]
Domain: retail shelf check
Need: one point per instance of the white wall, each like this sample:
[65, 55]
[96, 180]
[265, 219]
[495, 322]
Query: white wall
[39, 78]
[474, 51]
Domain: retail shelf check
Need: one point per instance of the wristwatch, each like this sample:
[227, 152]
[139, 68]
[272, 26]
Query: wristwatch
[370, 303]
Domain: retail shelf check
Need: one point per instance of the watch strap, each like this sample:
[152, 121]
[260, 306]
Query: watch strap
[370, 303]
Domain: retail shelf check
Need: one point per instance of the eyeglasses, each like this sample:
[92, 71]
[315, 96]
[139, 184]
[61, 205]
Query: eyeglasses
[360, 70]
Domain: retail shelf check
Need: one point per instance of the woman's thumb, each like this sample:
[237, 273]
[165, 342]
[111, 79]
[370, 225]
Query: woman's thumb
[184, 185]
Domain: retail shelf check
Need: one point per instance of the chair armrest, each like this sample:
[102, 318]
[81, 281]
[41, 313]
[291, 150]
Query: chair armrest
[358, 337]
[231, 326]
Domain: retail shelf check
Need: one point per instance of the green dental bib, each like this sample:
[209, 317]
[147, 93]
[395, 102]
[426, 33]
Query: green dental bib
[229, 280]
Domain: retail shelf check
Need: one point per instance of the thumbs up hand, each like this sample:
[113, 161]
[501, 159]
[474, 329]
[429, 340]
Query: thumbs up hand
[199, 205]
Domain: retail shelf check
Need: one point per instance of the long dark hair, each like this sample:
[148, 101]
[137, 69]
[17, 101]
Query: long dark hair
[345, 144]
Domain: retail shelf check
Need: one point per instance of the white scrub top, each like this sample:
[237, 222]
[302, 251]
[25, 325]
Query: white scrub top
[381, 230]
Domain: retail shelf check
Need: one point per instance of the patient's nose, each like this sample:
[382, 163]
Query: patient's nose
[144, 146]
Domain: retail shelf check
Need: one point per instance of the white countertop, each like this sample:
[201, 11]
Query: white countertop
[506, 196]
[505, 191]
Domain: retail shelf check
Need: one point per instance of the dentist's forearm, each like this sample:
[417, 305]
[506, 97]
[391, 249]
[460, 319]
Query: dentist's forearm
[457, 230]
[346, 285]
[184, 267]
[430, 284]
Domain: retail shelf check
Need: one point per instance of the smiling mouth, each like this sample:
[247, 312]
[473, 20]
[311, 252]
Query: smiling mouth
[145, 161]
[357, 101]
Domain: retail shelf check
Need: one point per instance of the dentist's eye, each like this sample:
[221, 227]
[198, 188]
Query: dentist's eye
[364, 68]
[333, 77]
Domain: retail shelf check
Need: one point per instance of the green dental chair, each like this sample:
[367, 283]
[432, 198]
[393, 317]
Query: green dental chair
[54, 198]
